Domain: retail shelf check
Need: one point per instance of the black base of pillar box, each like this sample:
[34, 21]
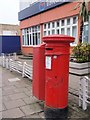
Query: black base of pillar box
[56, 114]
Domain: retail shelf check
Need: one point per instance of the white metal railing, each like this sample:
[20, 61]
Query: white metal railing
[11, 62]
[16, 66]
[84, 92]
[27, 70]
[4, 59]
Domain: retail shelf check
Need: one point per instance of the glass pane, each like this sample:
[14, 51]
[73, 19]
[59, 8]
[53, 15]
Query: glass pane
[53, 32]
[58, 32]
[62, 31]
[30, 40]
[58, 24]
[62, 22]
[68, 21]
[68, 31]
[27, 30]
[38, 28]
[23, 40]
[36, 42]
[44, 33]
[48, 32]
[74, 31]
[53, 24]
[27, 39]
[33, 39]
[23, 31]
[38, 38]
[30, 29]
[85, 33]
[35, 29]
[44, 26]
[48, 25]
[74, 20]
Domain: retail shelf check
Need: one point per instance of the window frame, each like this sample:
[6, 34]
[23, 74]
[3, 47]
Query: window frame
[65, 27]
[31, 30]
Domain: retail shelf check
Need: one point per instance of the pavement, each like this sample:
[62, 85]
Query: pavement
[18, 102]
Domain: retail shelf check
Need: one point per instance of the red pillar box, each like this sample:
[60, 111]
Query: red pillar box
[57, 70]
[39, 71]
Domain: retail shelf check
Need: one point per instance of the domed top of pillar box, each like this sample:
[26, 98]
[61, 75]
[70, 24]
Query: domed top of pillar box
[58, 38]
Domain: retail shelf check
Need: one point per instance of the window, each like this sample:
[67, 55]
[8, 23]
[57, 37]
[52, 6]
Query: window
[85, 34]
[74, 34]
[44, 26]
[67, 26]
[31, 36]
[48, 25]
[74, 20]
[48, 32]
[58, 32]
[62, 22]
[62, 31]
[68, 31]
[58, 24]
[74, 31]
[53, 24]
[53, 32]
[68, 21]
[45, 33]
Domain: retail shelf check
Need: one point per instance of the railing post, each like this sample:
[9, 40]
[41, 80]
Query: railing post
[23, 69]
[3, 59]
[80, 92]
[85, 90]
[15, 56]
[7, 63]
[10, 63]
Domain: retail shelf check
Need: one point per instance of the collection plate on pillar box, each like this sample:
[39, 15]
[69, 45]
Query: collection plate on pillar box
[48, 62]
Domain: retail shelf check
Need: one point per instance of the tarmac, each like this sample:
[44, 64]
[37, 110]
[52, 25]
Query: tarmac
[18, 101]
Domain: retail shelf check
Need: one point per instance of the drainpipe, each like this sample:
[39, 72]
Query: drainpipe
[89, 30]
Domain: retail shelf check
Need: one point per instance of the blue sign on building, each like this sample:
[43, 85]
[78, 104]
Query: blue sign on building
[42, 5]
[39, 7]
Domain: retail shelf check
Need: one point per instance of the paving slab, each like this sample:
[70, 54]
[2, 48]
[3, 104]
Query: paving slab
[17, 96]
[23, 89]
[21, 84]
[7, 92]
[36, 115]
[0, 104]
[30, 100]
[12, 87]
[13, 113]
[6, 98]
[29, 93]
[3, 107]
[31, 109]
[14, 103]
[0, 115]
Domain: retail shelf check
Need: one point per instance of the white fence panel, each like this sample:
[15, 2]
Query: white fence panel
[16, 66]
[11, 62]
[27, 70]
[84, 92]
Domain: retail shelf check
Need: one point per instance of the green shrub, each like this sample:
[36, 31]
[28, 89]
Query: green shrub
[81, 52]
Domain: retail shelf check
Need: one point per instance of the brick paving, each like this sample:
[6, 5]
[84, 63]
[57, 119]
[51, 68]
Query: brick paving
[18, 101]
